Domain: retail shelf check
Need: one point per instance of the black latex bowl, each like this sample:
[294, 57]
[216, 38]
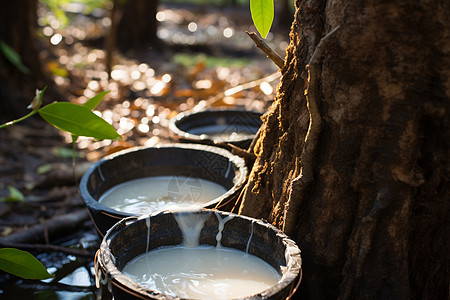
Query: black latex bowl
[128, 239]
[217, 126]
[207, 162]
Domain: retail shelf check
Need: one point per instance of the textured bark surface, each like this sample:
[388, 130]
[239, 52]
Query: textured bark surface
[373, 220]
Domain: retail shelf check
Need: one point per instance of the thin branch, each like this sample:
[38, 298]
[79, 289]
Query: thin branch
[236, 89]
[299, 184]
[48, 248]
[56, 226]
[248, 156]
[259, 42]
[11, 123]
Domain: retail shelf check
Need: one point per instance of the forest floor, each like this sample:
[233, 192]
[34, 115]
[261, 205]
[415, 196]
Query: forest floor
[206, 52]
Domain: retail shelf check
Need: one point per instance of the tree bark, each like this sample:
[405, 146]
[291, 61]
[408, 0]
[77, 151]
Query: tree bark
[362, 183]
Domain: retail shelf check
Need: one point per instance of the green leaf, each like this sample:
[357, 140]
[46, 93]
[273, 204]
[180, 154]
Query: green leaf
[13, 57]
[94, 101]
[14, 195]
[62, 152]
[22, 264]
[77, 120]
[56, 70]
[262, 15]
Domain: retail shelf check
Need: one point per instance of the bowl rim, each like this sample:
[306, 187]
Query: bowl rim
[173, 127]
[93, 203]
[105, 260]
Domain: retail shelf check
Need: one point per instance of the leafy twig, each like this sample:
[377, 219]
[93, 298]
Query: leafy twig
[34, 105]
[11, 123]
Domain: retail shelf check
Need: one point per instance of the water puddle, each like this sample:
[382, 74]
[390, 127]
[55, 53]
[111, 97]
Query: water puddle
[74, 276]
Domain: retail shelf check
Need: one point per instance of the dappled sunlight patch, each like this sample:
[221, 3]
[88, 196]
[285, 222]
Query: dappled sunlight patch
[145, 94]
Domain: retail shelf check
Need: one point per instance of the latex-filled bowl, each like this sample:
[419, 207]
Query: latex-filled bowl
[132, 237]
[210, 163]
[217, 126]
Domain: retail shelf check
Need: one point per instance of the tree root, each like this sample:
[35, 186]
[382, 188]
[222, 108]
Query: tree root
[298, 185]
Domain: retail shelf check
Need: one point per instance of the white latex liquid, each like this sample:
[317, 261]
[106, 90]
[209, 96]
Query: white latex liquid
[203, 272]
[224, 133]
[150, 194]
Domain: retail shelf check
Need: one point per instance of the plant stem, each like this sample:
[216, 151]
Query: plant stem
[10, 123]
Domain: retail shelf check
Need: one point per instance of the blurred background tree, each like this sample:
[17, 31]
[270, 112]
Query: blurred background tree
[133, 29]
[137, 26]
[18, 32]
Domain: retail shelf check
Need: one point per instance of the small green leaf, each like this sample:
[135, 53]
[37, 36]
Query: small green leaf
[45, 168]
[78, 120]
[59, 72]
[62, 152]
[22, 264]
[13, 57]
[262, 15]
[94, 101]
[14, 195]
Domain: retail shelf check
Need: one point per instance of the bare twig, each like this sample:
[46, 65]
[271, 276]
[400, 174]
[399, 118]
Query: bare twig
[238, 200]
[236, 89]
[298, 184]
[48, 248]
[259, 42]
[249, 159]
[57, 226]
[242, 152]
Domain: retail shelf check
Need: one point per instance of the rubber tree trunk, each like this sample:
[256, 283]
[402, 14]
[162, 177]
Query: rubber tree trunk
[353, 156]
